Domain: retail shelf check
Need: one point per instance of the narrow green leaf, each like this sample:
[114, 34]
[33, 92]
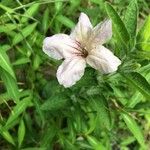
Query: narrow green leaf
[7, 9]
[143, 105]
[134, 129]
[135, 99]
[7, 27]
[10, 84]
[37, 104]
[21, 133]
[99, 103]
[18, 109]
[4, 97]
[65, 21]
[48, 136]
[5, 63]
[5, 47]
[36, 62]
[128, 141]
[97, 145]
[118, 24]
[120, 95]
[69, 145]
[143, 37]
[30, 12]
[7, 136]
[131, 18]
[139, 82]
[45, 21]
[24, 33]
[21, 61]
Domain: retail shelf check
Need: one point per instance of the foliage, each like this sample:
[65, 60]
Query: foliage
[101, 112]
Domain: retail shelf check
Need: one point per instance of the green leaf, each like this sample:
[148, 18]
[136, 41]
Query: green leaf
[10, 84]
[6, 135]
[95, 143]
[135, 99]
[5, 63]
[131, 18]
[55, 102]
[99, 103]
[120, 95]
[21, 61]
[24, 33]
[18, 109]
[37, 105]
[139, 82]
[4, 97]
[47, 138]
[65, 21]
[128, 141]
[21, 133]
[7, 27]
[5, 47]
[134, 128]
[45, 21]
[7, 9]
[143, 37]
[36, 62]
[118, 24]
[30, 12]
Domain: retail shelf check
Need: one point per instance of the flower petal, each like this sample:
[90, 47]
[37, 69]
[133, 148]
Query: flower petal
[70, 71]
[103, 60]
[60, 46]
[83, 29]
[101, 33]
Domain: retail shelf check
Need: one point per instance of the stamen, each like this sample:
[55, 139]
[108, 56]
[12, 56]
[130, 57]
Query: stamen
[82, 50]
[79, 44]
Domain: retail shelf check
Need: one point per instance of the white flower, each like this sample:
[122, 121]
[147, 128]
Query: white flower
[83, 45]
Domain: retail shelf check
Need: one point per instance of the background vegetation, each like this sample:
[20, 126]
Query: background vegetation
[101, 112]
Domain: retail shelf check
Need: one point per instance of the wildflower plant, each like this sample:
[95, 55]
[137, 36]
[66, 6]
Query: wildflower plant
[83, 45]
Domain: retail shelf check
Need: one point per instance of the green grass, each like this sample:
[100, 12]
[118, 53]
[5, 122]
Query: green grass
[100, 112]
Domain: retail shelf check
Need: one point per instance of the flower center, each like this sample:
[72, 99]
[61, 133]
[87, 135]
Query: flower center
[82, 49]
[84, 52]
